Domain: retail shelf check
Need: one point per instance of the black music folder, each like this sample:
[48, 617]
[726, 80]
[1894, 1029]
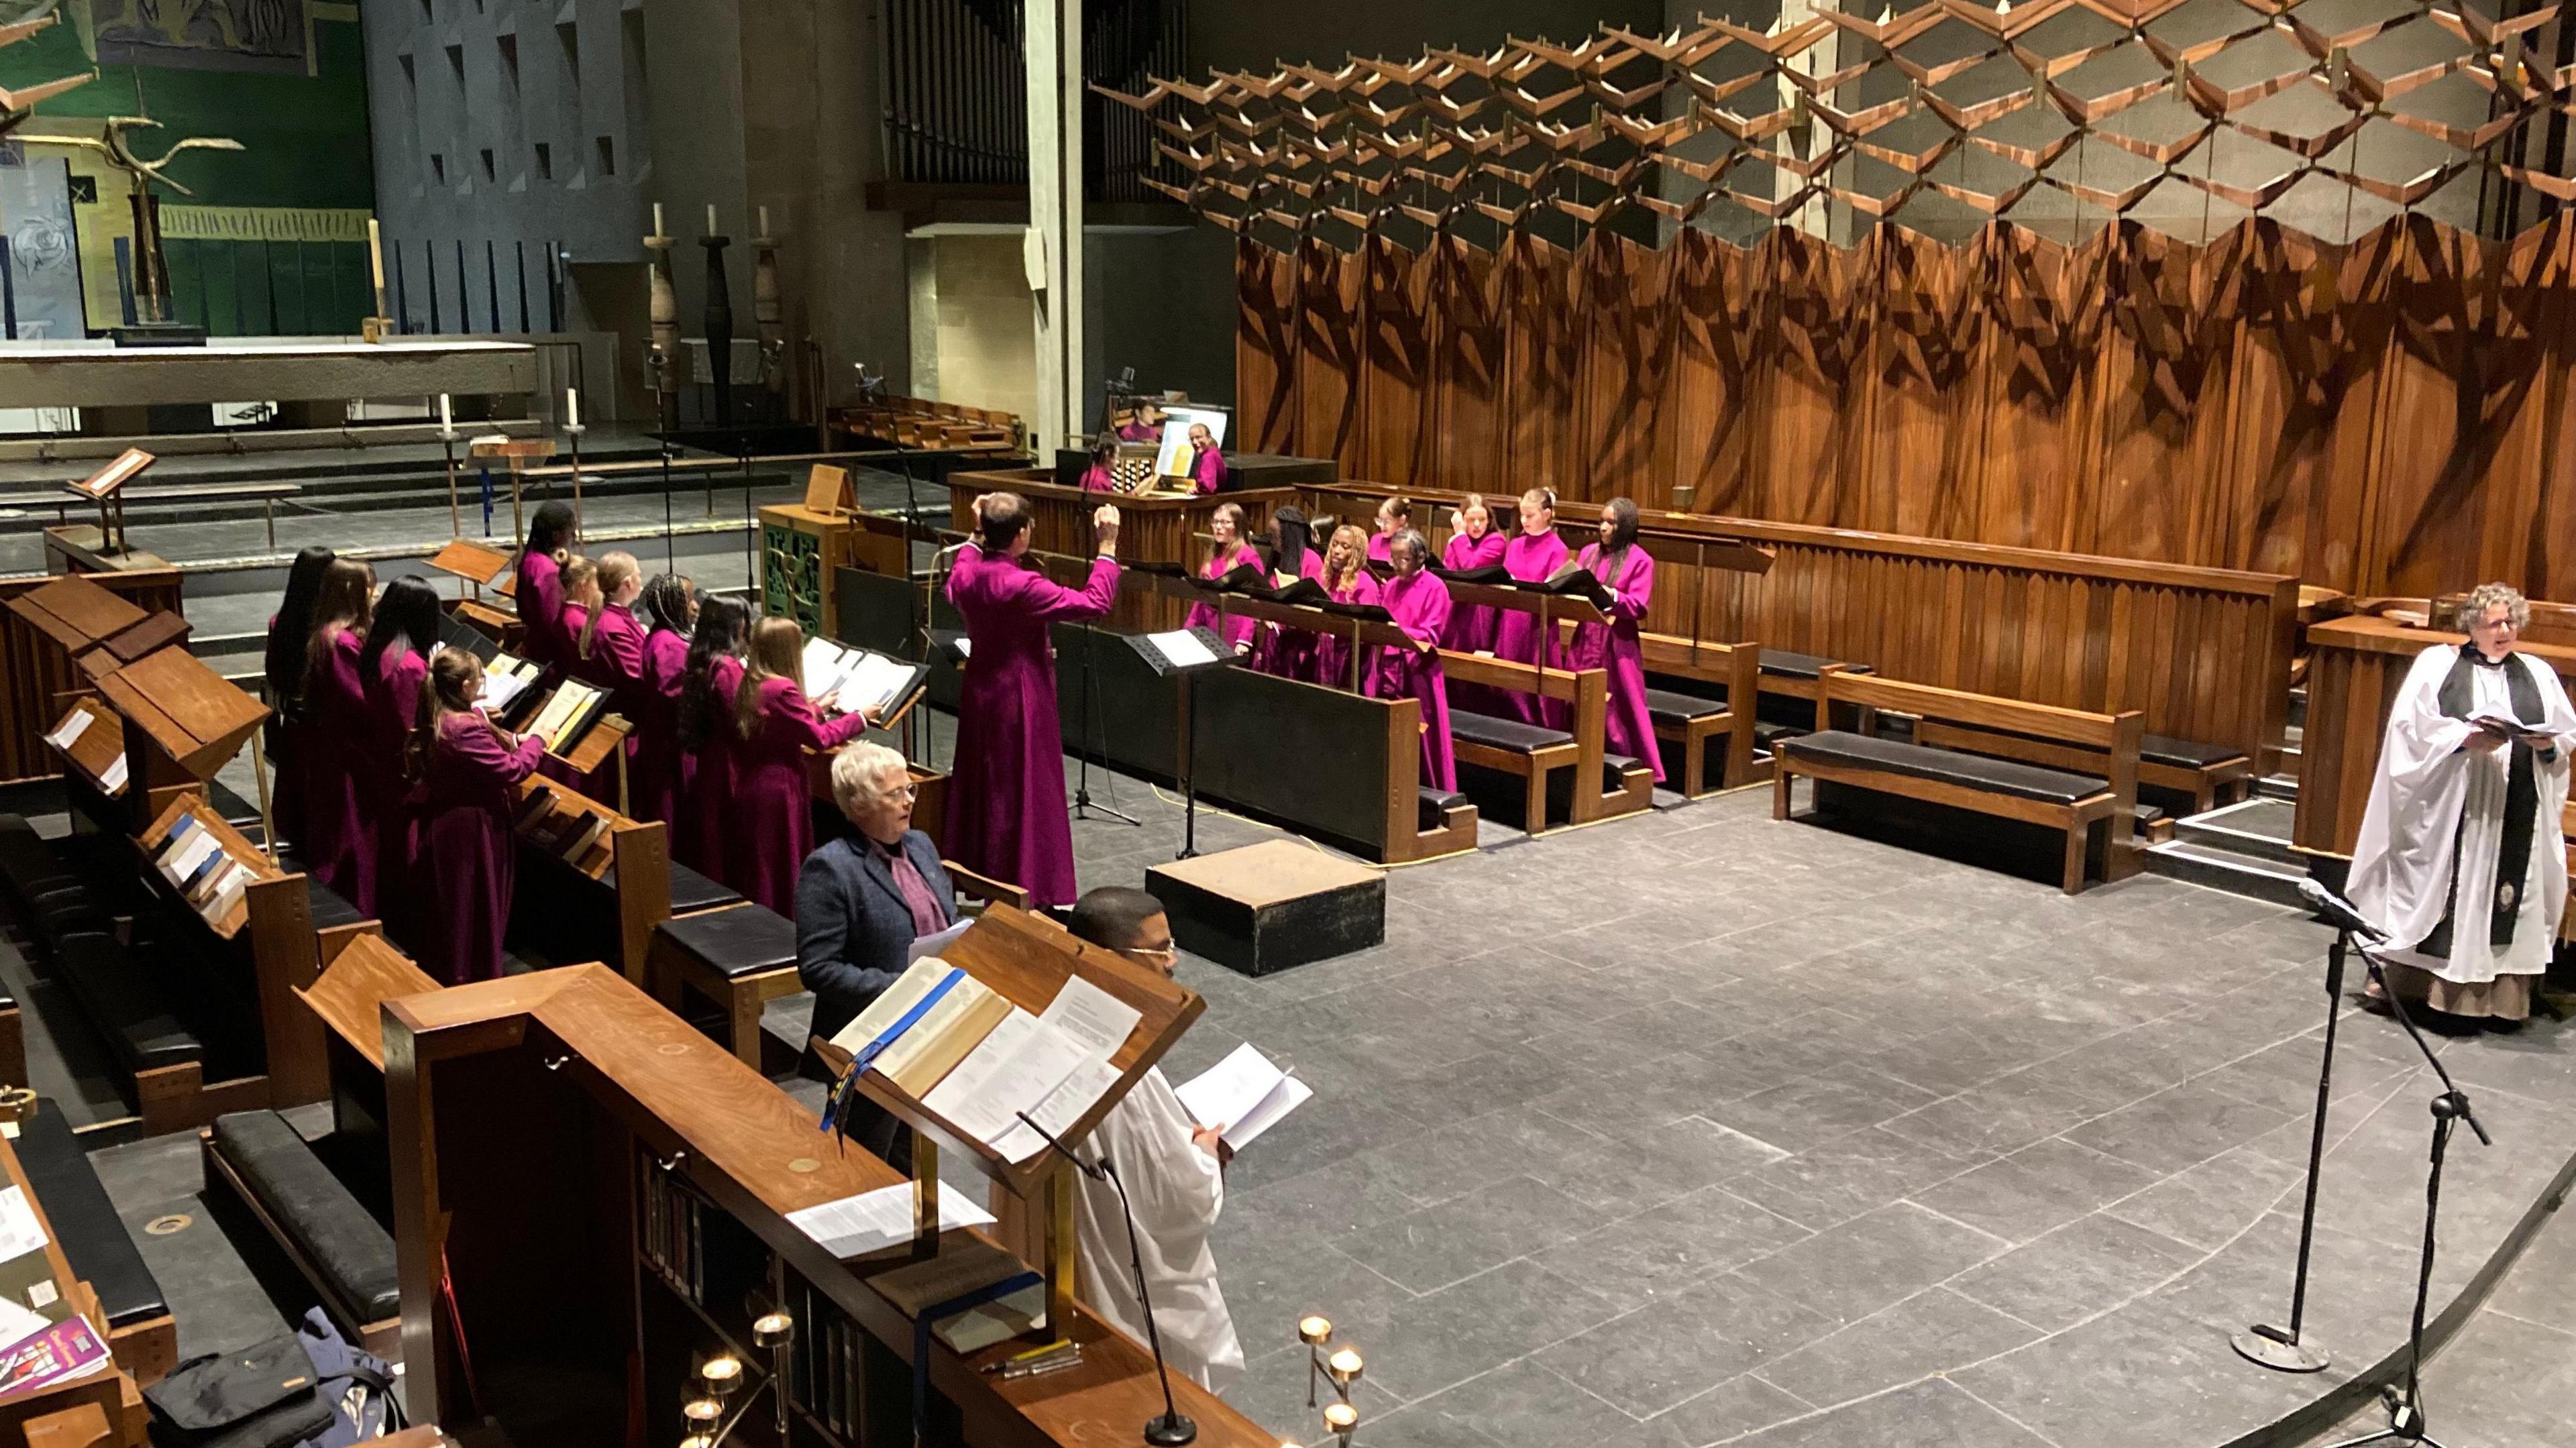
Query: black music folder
[1182, 651]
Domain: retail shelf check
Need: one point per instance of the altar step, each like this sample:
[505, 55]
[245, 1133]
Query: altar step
[2241, 848]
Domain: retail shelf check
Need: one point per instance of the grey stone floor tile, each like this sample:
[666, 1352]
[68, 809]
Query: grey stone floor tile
[1668, 1351]
[1847, 1176]
[1931, 1332]
[1666, 1248]
[1446, 1337]
[1733, 1408]
[1993, 1120]
[1847, 1272]
[2214, 1201]
[1934, 1414]
[1432, 1248]
[2143, 1377]
[1523, 1404]
[2179, 1129]
[1803, 1113]
[2076, 1271]
[2042, 1186]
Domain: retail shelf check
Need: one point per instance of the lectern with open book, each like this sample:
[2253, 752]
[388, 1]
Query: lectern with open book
[1014, 1015]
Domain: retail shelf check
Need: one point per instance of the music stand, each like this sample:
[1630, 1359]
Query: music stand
[1185, 654]
[106, 487]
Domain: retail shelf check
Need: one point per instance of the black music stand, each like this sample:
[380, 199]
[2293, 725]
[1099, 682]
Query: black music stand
[1168, 657]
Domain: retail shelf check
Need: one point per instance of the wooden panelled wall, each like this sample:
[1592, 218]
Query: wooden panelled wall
[42, 680]
[2392, 417]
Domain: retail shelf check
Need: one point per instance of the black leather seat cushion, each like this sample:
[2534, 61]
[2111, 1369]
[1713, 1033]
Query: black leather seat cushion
[1801, 666]
[30, 867]
[1495, 733]
[120, 997]
[1919, 761]
[1431, 807]
[101, 1251]
[1663, 706]
[693, 891]
[745, 940]
[2175, 753]
[331, 910]
[1614, 770]
[352, 1251]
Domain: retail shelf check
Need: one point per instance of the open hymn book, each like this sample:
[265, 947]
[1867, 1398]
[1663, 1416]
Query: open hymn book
[867, 682]
[505, 678]
[965, 1052]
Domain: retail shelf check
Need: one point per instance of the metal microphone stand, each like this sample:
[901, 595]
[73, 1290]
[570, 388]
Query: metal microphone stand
[1170, 1429]
[2283, 1349]
[1093, 728]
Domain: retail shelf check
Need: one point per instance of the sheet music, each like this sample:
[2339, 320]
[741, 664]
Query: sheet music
[499, 688]
[112, 778]
[1181, 648]
[874, 683]
[930, 945]
[1012, 1070]
[872, 1221]
[827, 666]
[20, 1232]
[1244, 1093]
[1063, 1107]
[1093, 1016]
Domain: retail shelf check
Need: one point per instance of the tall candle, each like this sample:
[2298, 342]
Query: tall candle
[657, 218]
[764, 221]
[711, 218]
[446, 415]
[572, 407]
[376, 253]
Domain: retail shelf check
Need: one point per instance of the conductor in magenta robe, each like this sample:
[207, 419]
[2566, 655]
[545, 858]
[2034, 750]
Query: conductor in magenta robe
[1006, 815]
[1419, 602]
[1628, 573]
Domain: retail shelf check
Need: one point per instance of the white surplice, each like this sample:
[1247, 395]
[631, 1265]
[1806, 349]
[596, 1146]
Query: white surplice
[2433, 799]
[1176, 1191]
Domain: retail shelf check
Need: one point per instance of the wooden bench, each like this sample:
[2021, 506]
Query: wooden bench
[1599, 785]
[2006, 788]
[1693, 723]
[2212, 774]
[255, 1161]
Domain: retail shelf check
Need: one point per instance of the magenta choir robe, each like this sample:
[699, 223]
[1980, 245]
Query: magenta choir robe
[661, 767]
[393, 711]
[1238, 630]
[1290, 652]
[1471, 627]
[569, 621]
[1097, 479]
[1378, 547]
[1139, 431]
[464, 804]
[1421, 608]
[707, 792]
[1207, 470]
[540, 598]
[771, 829]
[1516, 634]
[1006, 811]
[1614, 648]
[1333, 655]
[339, 816]
[616, 664]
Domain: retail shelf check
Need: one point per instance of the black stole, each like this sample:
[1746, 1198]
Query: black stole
[2458, 699]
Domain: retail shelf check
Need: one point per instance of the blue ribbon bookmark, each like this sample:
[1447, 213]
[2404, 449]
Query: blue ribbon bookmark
[838, 1099]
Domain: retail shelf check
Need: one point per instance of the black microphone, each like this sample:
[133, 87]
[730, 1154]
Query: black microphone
[1086, 1168]
[2339, 912]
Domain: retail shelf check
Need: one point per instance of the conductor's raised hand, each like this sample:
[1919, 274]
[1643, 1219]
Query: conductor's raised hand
[1104, 526]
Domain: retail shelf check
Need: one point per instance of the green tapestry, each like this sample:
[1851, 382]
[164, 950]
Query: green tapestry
[791, 576]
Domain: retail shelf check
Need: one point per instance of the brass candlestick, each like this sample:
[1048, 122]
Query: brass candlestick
[1341, 1367]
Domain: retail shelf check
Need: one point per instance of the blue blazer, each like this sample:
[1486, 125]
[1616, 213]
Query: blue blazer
[852, 926]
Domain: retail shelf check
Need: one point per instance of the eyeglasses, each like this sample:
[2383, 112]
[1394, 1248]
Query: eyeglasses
[1154, 952]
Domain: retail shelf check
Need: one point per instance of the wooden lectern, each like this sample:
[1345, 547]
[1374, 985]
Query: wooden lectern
[183, 723]
[106, 487]
[805, 545]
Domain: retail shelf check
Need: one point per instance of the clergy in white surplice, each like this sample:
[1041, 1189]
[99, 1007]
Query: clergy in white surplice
[2460, 858]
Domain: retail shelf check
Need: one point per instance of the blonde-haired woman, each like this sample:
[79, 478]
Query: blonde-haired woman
[774, 724]
[1347, 579]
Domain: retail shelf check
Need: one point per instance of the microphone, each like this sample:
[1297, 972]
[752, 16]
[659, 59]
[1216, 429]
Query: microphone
[1086, 1168]
[2339, 912]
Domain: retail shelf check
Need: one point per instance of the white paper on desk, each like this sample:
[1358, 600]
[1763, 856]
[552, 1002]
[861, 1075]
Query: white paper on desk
[73, 728]
[1181, 648]
[874, 683]
[1093, 1016]
[1063, 1107]
[872, 1221]
[20, 1232]
[18, 1324]
[964, 646]
[1012, 1070]
[1245, 1093]
[112, 778]
[935, 942]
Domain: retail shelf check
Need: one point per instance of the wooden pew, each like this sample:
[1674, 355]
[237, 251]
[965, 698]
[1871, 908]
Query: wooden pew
[629, 863]
[2201, 653]
[1923, 771]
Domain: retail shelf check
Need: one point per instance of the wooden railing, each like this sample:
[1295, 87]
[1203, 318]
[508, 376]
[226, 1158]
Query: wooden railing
[2203, 653]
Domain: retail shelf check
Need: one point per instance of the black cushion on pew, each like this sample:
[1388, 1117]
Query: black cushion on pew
[2175, 753]
[351, 1250]
[1663, 706]
[1788, 665]
[121, 998]
[690, 891]
[1431, 806]
[1614, 771]
[1512, 734]
[331, 910]
[102, 1252]
[745, 940]
[1972, 771]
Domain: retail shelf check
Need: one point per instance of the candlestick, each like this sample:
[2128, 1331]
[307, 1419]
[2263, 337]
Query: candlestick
[764, 221]
[376, 253]
[657, 218]
[572, 406]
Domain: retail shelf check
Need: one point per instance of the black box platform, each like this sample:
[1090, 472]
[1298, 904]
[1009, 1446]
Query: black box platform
[1267, 907]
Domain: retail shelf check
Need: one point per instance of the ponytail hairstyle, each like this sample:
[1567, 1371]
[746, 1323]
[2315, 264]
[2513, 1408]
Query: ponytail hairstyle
[777, 652]
[580, 577]
[288, 636]
[408, 614]
[1350, 534]
[552, 530]
[616, 570]
[723, 625]
[1104, 450]
[455, 677]
[1534, 502]
[1233, 512]
[342, 605]
[1398, 511]
[1613, 560]
[671, 602]
[1294, 537]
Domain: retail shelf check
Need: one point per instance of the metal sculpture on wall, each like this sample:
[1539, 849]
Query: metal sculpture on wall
[151, 268]
[2060, 115]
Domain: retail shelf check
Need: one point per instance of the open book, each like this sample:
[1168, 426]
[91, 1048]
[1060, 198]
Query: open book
[566, 714]
[867, 681]
[1572, 581]
[1245, 1093]
[505, 678]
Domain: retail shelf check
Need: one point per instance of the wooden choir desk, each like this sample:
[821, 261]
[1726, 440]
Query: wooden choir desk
[1151, 529]
[549, 1130]
[47, 622]
[103, 1408]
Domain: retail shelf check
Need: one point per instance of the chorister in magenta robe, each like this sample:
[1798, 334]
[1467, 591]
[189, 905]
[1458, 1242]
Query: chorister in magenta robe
[1006, 809]
[1097, 479]
[464, 803]
[1472, 628]
[1207, 470]
[614, 663]
[771, 825]
[1516, 634]
[339, 804]
[1614, 647]
[2447, 826]
[393, 710]
[1238, 630]
[1176, 1191]
[661, 767]
[539, 592]
[1290, 653]
[708, 791]
[1420, 604]
[1332, 655]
